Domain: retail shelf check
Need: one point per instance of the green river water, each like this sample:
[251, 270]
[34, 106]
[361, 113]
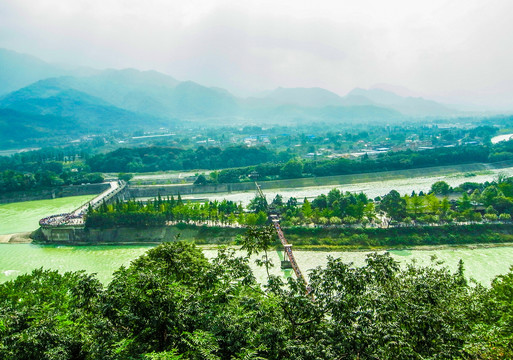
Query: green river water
[25, 216]
[483, 264]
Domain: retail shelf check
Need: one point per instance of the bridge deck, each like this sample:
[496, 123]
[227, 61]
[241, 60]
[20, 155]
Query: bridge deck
[76, 217]
[288, 248]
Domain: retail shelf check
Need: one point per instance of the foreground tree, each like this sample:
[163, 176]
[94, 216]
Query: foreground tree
[46, 315]
[172, 303]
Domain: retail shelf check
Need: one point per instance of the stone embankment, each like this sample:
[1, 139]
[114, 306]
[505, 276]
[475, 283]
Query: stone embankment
[77, 235]
[70, 226]
[149, 191]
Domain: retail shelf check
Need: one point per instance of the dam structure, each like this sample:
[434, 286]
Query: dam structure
[69, 227]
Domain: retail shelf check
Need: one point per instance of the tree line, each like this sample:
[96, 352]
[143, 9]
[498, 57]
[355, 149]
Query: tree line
[11, 180]
[158, 158]
[159, 211]
[401, 160]
[480, 202]
[469, 202]
[238, 163]
[48, 167]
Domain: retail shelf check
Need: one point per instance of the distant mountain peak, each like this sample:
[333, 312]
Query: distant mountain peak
[18, 70]
[312, 96]
[413, 106]
[397, 89]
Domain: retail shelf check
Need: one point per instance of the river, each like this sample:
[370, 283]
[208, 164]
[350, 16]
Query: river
[25, 216]
[482, 264]
[372, 189]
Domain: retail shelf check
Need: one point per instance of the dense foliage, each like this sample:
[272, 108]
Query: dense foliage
[400, 160]
[44, 168]
[468, 203]
[174, 304]
[272, 164]
[490, 202]
[349, 237]
[146, 159]
[158, 211]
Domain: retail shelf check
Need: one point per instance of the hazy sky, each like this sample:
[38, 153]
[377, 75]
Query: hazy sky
[434, 47]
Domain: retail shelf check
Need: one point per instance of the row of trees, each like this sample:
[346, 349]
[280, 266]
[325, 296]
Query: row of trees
[11, 180]
[158, 211]
[172, 303]
[32, 161]
[48, 167]
[401, 160]
[157, 158]
[470, 202]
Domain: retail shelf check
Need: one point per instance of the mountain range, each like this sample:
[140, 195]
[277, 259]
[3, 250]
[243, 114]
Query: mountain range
[38, 99]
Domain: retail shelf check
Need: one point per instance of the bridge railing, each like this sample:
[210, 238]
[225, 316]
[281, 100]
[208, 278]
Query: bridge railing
[288, 248]
[76, 217]
[104, 196]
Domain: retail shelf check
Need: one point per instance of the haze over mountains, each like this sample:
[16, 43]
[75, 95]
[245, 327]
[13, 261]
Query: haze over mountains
[38, 99]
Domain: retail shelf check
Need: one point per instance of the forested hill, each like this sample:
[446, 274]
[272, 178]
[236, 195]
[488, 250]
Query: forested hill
[82, 111]
[22, 129]
[19, 70]
[98, 100]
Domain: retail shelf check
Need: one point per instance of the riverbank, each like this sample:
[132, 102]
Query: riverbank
[150, 191]
[16, 238]
[140, 189]
[345, 248]
[302, 238]
[365, 239]
[25, 238]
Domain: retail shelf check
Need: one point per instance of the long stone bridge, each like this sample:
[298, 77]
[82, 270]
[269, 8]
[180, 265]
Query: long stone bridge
[64, 227]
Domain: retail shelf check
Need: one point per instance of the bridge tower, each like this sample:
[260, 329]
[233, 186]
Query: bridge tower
[285, 263]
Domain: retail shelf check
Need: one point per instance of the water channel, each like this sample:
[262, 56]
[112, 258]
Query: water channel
[483, 264]
[372, 189]
[25, 216]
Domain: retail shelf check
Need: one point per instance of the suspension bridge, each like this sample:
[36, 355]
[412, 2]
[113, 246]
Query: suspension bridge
[289, 261]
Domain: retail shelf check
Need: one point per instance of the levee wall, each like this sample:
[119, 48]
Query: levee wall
[146, 191]
[78, 235]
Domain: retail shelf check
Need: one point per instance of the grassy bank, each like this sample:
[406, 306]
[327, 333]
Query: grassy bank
[376, 238]
[383, 175]
[208, 235]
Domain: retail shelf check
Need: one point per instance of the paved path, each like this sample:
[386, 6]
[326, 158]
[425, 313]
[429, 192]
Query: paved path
[97, 201]
[76, 217]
